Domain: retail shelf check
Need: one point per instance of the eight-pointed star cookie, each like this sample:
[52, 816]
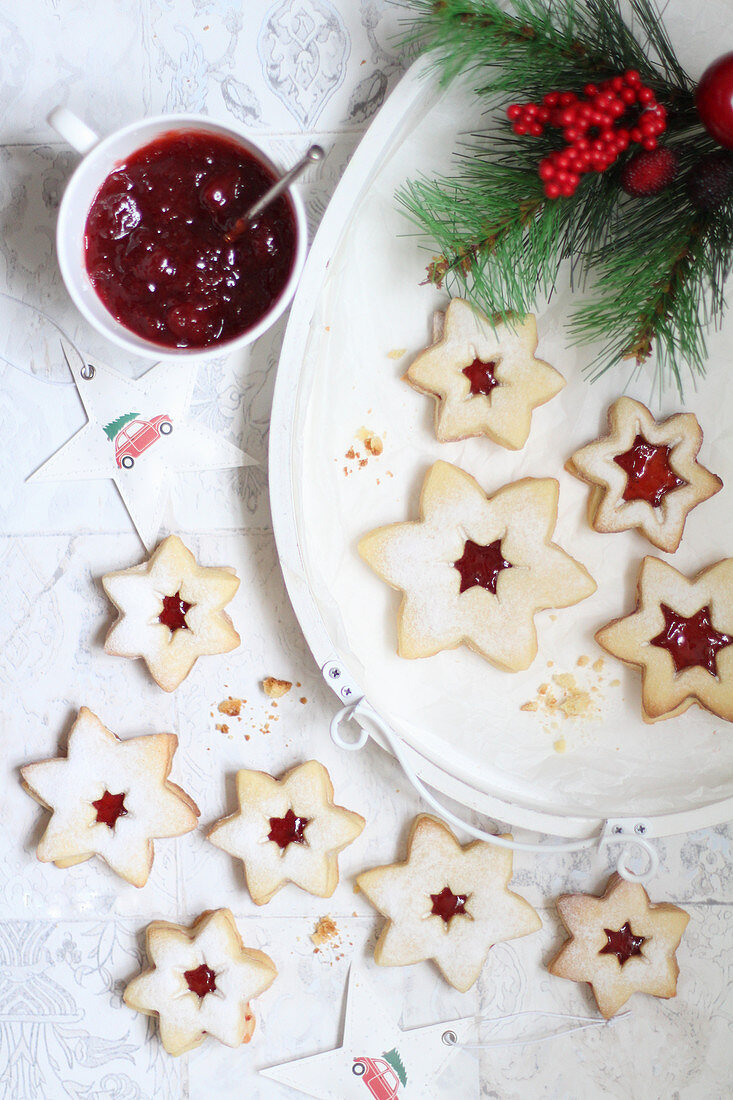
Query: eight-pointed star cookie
[447, 903]
[110, 798]
[171, 612]
[644, 473]
[475, 569]
[287, 830]
[681, 635]
[202, 980]
[621, 943]
[485, 377]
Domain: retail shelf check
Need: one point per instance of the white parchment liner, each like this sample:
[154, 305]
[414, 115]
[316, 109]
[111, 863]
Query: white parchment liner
[455, 703]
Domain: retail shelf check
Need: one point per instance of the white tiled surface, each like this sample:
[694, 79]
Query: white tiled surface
[286, 70]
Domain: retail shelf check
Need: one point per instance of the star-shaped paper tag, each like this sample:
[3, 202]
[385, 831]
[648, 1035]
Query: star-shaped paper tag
[476, 569]
[288, 830]
[621, 943]
[109, 797]
[484, 376]
[377, 1058]
[139, 435]
[681, 635]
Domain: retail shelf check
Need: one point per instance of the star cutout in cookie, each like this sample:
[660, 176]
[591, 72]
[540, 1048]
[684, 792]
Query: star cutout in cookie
[681, 636]
[202, 980]
[485, 377]
[645, 473]
[287, 830]
[109, 798]
[475, 569]
[620, 943]
[447, 903]
[171, 612]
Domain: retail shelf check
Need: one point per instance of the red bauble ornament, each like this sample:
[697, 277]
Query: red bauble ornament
[714, 100]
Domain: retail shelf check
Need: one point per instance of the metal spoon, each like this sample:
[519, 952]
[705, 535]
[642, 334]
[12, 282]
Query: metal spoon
[314, 154]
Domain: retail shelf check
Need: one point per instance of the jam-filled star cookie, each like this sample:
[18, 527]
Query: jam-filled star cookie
[484, 377]
[681, 636]
[645, 473]
[171, 612]
[287, 830]
[447, 903]
[474, 569]
[620, 943]
[110, 798]
[201, 982]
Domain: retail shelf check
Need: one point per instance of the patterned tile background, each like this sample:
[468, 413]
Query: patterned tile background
[287, 71]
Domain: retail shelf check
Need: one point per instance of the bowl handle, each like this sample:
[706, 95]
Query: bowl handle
[72, 129]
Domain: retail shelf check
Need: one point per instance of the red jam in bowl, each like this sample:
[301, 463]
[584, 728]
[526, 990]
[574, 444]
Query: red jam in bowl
[155, 246]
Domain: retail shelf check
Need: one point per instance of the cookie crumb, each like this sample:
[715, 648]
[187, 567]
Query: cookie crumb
[396, 353]
[230, 707]
[531, 705]
[275, 689]
[222, 727]
[583, 661]
[326, 929]
[303, 699]
[374, 445]
[560, 745]
[598, 665]
[615, 683]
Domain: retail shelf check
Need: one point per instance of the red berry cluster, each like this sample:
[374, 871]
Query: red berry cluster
[591, 126]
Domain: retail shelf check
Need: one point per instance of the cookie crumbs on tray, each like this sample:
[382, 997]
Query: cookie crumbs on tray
[325, 930]
[275, 689]
[303, 699]
[583, 661]
[231, 707]
[222, 727]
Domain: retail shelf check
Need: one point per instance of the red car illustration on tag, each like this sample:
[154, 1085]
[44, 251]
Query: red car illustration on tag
[382, 1076]
[137, 436]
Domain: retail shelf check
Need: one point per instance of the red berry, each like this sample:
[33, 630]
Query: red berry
[649, 172]
[649, 143]
[635, 134]
[628, 95]
[617, 108]
[543, 115]
[590, 90]
[531, 109]
[632, 78]
[546, 170]
[551, 99]
[513, 112]
[566, 98]
[552, 190]
[646, 95]
[567, 190]
[617, 83]
[520, 128]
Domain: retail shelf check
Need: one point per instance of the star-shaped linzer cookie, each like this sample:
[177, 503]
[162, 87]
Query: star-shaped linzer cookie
[485, 377]
[475, 569]
[645, 473]
[171, 612]
[447, 903]
[681, 636]
[110, 798]
[620, 943]
[287, 830]
[201, 982]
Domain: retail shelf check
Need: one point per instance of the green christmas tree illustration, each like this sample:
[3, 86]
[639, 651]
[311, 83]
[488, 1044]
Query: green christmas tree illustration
[392, 1056]
[112, 429]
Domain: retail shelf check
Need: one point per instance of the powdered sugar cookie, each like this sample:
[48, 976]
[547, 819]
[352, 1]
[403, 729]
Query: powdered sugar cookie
[447, 903]
[645, 473]
[474, 569]
[201, 982]
[287, 830]
[109, 798]
[681, 636]
[620, 943]
[171, 612]
[485, 377]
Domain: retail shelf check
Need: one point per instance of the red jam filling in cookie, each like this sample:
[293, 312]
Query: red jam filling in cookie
[201, 981]
[481, 376]
[481, 565]
[623, 943]
[649, 475]
[174, 611]
[109, 807]
[447, 905]
[691, 642]
[288, 830]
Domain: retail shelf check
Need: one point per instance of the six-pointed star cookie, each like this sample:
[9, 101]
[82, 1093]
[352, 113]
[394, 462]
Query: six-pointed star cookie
[287, 830]
[485, 378]
[681, 635]
[621, 943]
[645, 473]
[202, 980]
[109, 798]
[446, 903]
[171, 612]
[475, 570]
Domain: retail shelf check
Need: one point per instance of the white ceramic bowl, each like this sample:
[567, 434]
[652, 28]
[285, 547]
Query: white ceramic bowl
[102, 156]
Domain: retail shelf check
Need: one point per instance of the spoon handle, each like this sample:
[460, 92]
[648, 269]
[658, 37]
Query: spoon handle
[314, 154]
